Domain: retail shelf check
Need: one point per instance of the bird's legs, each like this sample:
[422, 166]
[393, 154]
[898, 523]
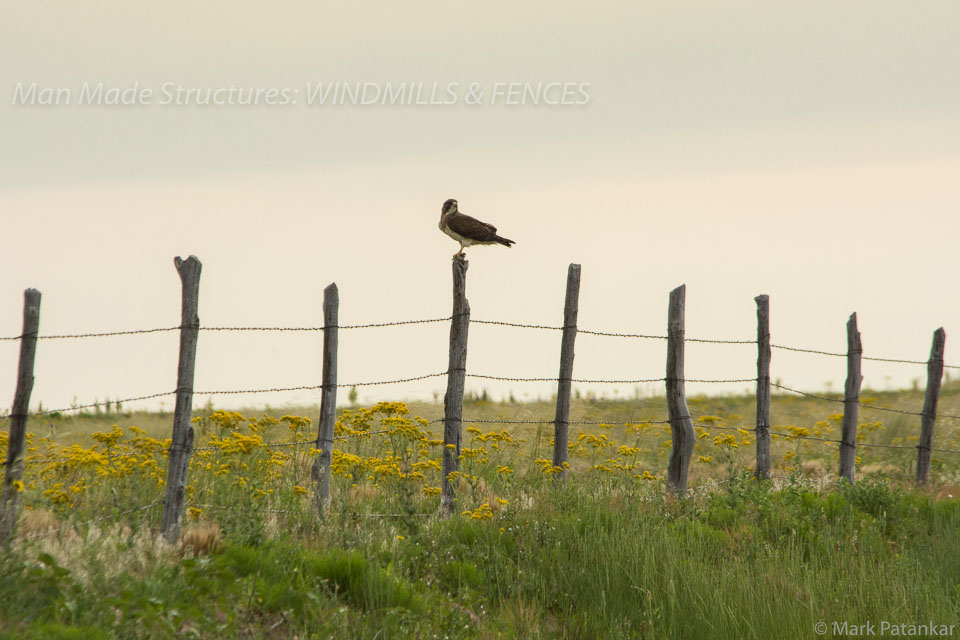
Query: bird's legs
[459, 253]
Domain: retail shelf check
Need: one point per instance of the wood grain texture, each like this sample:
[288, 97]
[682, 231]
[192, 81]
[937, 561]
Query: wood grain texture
[851, 404]
[929, 417]
[456, 378]
[328, 399]
[762, 469]
[13, 469]
[561, 421]
[182, 446]
[681, 425]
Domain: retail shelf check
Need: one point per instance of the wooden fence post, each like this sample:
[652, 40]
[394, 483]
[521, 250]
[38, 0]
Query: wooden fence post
[12, 483]
[561, 421]
[456, 378]
[851, 402]
[328, 400]
[934, 376]
[681, 425]
[182, 446]
[763, 387]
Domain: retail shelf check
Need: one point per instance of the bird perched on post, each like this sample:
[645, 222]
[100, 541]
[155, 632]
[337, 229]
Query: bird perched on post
[466, 230]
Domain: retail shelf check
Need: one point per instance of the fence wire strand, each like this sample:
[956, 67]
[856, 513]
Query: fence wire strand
[348, 385]
[862, 357]
[398, 323]
[105, 334]
[552, 420]
[791, 436]
[862, 404]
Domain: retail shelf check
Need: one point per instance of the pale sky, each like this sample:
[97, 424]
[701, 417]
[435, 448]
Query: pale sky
[808, 151]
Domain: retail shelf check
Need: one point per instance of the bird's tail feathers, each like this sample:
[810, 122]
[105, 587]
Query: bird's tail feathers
[504, 241]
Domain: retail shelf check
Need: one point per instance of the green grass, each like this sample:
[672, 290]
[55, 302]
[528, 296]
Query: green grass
[751, 561]
[602, 556]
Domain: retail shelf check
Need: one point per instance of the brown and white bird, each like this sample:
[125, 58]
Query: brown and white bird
[466, 230]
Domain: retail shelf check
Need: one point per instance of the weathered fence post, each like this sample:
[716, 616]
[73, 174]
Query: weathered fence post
[12, 483]
[561, 421]
[763, 387]
[681, 425]
[182, 446]
[328, 400]
[851, 402]
[929, 417]
[456, 377]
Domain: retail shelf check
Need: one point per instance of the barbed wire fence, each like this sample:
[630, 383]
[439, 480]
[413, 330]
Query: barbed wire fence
[15, 460]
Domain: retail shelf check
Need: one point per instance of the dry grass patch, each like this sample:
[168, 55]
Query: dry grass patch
[39, 522]
[202, 539]
[813, 469]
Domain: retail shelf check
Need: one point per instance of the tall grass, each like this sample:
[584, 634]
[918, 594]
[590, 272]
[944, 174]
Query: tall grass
[751, 561]
[607, 555]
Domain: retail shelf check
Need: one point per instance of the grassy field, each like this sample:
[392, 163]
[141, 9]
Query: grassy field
[606, 555]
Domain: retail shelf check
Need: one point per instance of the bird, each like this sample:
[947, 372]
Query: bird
[466, 230]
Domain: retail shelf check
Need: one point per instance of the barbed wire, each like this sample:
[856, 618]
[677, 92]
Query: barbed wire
[266, 445]
[612, 334]
[108, 334]
[356, 514]
[551, 421]
[894, 446]
[398, 323]
[346, 327]
[807, 394]
[348, 385]
[516, 325]
[472, 375]
[862, 357]
[793, 436]
[801, 350]
[91, 405]
[348, 514]
[319, 387]
[722, 427]
[862, 404]
[605, 381]
[105, 334]
[577, 380]
[362, 434]
[224, 507]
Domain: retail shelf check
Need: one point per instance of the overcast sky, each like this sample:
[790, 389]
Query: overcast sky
[810, 151]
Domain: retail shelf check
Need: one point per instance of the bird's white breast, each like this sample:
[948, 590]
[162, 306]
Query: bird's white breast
[456, 236]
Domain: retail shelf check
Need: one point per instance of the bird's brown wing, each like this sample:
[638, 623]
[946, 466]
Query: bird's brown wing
[472, 228]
